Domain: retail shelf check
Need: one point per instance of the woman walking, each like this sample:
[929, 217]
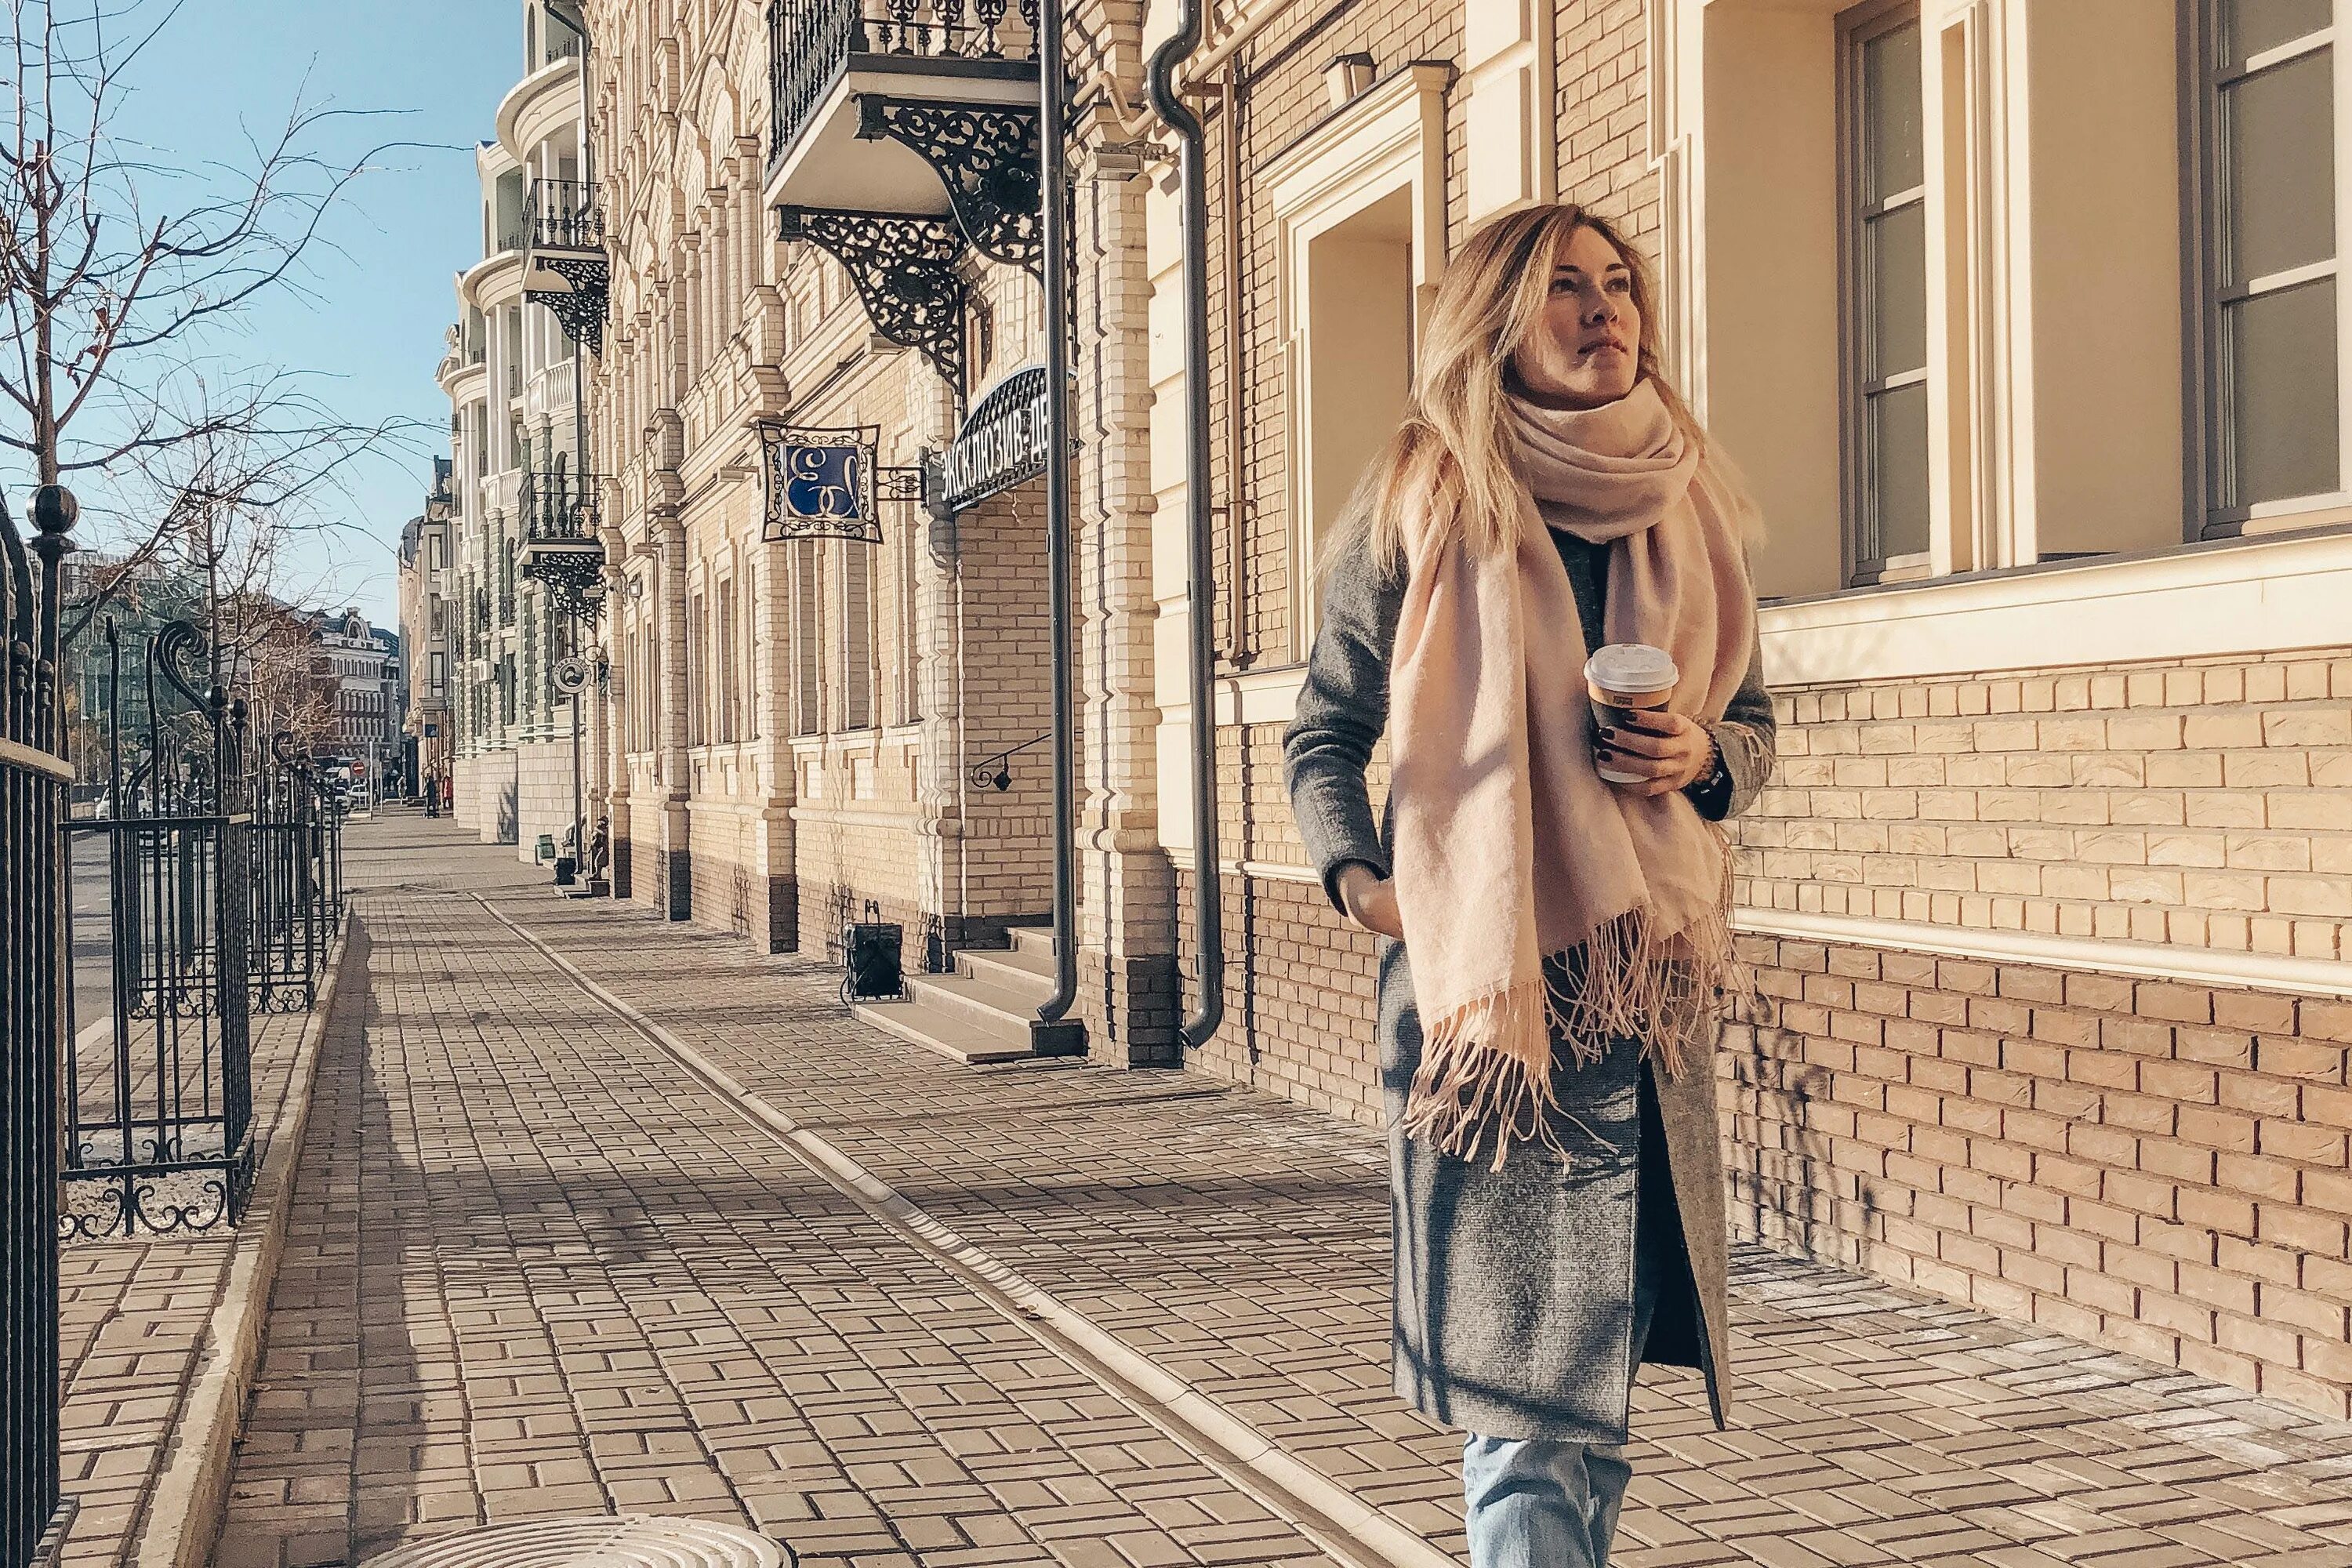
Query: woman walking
[1546, 1051]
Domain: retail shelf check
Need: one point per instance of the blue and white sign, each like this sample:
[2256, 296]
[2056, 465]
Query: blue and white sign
[820, 484]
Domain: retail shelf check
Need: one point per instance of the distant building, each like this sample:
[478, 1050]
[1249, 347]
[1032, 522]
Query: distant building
[427, 608]
[357, 657]
[513, 375]
[135, 600]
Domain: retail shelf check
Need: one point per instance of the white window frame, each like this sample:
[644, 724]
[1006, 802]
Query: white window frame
[1856, 28]
[808, 643]
[857, 652]
[2201, 183]
[1391, 139]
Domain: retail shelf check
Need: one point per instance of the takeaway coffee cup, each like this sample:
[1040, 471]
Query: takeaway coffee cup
[1625, 679]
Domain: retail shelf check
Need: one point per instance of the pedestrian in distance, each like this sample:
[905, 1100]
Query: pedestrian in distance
[1541, 596]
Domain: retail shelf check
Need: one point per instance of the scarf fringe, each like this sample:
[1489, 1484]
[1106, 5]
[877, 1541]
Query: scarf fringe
[1626, 980]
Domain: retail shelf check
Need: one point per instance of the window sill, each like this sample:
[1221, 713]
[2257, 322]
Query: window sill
[2251, 596]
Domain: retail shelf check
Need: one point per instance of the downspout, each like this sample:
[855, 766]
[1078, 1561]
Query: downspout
[1208, 882]
[1238, 651]
[1054, 277]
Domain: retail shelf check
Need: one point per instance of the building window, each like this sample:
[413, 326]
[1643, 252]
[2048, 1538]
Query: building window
[910, 637]
[729, 668]
[2269, 172]
[697, 668]
[1885, 296]
[1360, 224]
[633, 697]
[857, 635]
[752, 612]
[807, 642]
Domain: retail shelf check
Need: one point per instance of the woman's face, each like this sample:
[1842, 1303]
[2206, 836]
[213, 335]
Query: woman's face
[1585, 348]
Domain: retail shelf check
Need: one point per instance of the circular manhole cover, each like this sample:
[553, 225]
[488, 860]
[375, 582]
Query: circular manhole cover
[607, 1541]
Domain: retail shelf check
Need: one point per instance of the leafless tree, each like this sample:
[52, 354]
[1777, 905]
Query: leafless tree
[124, 278]
[283, 673]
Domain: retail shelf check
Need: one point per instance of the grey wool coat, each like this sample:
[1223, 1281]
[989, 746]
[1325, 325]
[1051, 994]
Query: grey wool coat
[1515, 1288]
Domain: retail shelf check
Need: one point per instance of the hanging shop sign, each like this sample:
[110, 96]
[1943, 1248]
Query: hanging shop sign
[826, 483]
[1004, 441]
[820, 483]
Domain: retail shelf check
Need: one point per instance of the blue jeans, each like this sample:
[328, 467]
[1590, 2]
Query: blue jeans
[1534, 1502]
[1538, 1504]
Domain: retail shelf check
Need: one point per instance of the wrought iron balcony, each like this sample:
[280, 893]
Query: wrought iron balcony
[906, 133]
[563, 215]
[557, 506]
[827, 56]
[561, 550]
[565, 265]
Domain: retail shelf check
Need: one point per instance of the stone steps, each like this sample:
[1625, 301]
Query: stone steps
[986, 1011]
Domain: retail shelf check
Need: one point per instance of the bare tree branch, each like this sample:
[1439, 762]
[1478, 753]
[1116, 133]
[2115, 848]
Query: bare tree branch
[119, 270]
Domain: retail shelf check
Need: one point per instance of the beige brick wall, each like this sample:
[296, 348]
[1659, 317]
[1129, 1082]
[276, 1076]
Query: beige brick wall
[849, 854]
[485, 796]
[1603, 113]
[2203, 805]
[1300, 998]
[1007, 701]
[2156, 1166]
[731, 892]
[542, 793]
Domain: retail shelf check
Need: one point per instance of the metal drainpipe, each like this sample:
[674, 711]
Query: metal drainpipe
[1055, 278]
[1208, 881]
[1238, 651]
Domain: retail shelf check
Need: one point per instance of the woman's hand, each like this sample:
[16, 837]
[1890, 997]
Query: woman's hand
[1667, 749]
[1371, 900]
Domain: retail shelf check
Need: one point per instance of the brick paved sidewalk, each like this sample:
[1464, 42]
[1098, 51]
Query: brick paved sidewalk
[132, 1315]
[549, 1274]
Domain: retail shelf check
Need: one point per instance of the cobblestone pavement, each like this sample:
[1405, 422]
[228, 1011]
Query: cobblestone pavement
[542, 1267]
[132, 1318]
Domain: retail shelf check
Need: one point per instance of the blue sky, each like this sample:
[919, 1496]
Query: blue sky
[432, 72]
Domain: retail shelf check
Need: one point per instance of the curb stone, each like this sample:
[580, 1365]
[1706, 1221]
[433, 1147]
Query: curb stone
[183, 1513]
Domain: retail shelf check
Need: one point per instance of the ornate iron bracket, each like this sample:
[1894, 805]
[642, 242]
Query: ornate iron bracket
[991, 773]
[904, 270]
[580, 311]
[987, 159]
[568, 573]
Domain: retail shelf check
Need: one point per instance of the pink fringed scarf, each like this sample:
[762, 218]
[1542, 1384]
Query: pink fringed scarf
[1510, 846]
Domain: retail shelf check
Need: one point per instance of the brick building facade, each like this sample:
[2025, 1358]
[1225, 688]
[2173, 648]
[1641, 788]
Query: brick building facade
[513, 375]
[2047, 906]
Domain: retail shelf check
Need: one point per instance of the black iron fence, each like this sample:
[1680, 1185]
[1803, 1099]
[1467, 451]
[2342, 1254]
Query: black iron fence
[298, 879]
[221, 862]
[33, 786]
[810, 43]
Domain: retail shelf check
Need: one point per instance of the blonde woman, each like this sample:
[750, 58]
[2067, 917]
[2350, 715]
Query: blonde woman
[1546, 1051]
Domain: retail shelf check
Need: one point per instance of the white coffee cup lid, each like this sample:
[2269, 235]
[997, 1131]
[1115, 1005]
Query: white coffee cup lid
[1633, 666]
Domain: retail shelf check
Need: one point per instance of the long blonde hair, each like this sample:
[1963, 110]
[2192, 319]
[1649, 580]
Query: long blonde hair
[1452, 452]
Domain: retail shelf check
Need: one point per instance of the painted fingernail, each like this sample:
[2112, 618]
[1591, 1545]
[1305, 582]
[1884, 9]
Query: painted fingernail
[1607, 733]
